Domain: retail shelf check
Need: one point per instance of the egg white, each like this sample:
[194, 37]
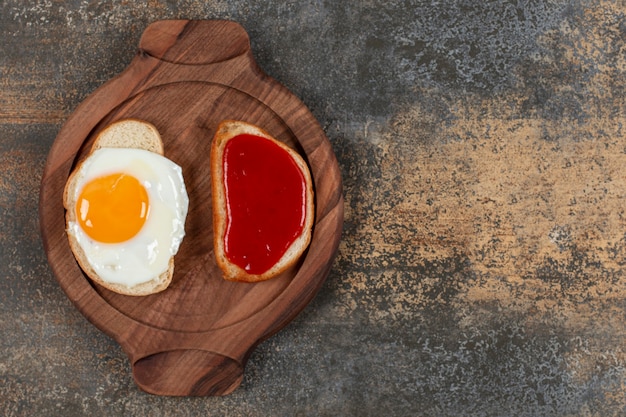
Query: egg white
[146, 255]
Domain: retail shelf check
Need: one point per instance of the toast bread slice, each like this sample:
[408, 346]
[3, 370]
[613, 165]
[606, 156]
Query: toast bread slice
[227, 130]
[126, 133]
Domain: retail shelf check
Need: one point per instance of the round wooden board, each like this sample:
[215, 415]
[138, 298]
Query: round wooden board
[195, 337]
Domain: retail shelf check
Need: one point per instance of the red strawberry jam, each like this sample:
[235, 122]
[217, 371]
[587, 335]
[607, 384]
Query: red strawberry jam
[265, 202]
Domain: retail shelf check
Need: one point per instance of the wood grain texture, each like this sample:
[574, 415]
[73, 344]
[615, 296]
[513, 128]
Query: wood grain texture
[195, 337]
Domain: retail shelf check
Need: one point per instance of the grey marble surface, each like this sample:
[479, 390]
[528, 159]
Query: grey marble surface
[481, 270]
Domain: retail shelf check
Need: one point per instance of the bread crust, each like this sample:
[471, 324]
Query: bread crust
[144, 135]
[227, 130]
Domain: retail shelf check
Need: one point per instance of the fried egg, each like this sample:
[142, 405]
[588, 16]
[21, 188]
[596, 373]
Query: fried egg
[130, 207]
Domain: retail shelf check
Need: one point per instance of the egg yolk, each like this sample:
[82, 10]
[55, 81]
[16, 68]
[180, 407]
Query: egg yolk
[113, 208]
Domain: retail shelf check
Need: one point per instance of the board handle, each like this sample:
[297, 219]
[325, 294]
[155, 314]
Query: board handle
[188, 372]
[194, 42]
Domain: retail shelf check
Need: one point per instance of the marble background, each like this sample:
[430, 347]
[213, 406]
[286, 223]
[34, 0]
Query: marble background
[481, 270]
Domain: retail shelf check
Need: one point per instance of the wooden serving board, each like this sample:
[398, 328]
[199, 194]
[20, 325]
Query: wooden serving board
[195, 337]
